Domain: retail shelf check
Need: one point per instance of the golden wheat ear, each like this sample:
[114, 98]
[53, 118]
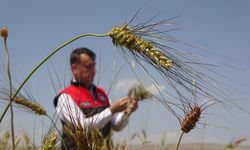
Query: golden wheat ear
[35, 107]
[50, 141]
[124, 37]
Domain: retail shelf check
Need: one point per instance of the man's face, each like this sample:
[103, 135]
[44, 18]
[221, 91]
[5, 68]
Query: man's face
[85, 70]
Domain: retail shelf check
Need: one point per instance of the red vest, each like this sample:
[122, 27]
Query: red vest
[90, 104]
[84, 99]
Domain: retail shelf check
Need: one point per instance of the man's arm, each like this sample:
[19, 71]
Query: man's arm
[69, 111]
[120, 120]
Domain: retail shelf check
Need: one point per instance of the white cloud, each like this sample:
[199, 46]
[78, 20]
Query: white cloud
[125, 84]
[155, 89]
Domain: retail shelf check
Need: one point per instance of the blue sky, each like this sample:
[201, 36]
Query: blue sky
[221, 27]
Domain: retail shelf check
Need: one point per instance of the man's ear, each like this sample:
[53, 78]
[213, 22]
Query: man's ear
[74, 68]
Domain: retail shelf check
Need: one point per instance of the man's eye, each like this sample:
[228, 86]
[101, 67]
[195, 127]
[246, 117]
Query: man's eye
[90, 66]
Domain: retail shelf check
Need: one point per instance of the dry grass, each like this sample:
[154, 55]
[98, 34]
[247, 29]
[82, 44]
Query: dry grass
[50, 142]
[88, 139]
[235, 144]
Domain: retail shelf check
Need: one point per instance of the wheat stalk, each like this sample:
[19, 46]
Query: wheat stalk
[80, 135]
[4, 140]
[235, 144]
[4, 33]
[87, 138]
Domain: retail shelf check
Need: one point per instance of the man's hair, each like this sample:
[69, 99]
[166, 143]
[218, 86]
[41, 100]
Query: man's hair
[74, 57]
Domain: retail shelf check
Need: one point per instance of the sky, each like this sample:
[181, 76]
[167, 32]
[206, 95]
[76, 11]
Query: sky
[220, 31]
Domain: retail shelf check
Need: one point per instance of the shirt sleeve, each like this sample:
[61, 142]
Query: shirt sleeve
[119, 121]
[69, 111]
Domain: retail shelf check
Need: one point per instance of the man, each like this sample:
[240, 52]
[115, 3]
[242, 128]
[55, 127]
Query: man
[82, 103]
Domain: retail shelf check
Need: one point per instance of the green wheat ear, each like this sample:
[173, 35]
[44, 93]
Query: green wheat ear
[139, 92]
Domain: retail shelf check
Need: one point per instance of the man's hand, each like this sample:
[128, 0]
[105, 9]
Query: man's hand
[119, 105]
[133, 105]
[124, 104]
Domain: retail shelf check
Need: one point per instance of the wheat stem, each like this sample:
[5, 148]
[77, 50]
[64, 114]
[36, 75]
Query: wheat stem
[10, 88]
[43, 61]
[179, 141]
[54, 124]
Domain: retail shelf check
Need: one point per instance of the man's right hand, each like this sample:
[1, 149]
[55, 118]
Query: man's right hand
[119, 105]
